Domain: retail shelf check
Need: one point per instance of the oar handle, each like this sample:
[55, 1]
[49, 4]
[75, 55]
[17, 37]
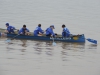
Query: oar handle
[15, 36]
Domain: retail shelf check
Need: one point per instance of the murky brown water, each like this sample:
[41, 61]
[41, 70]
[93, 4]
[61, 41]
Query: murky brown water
[27, 57]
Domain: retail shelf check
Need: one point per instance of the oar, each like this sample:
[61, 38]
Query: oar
[92, 41]
[9, 40]
[53, 42]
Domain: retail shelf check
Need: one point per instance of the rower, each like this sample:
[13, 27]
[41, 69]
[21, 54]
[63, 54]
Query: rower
[65, 32]
[49, 31]
[10, 29]
[24, 31]
[38, 31]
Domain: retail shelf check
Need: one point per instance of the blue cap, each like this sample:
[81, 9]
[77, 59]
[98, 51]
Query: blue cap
[52, 26]
[7, 24]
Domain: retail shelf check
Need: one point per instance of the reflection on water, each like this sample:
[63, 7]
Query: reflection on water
[40, 54]
[39, 46]
[48, 44]
[9, 48]
[49, 51]
[64, 55]
[70, 46]
[38, 50]
[18, 45]
[23, 50]
[24, 43]
[92, 46]
[76, 49]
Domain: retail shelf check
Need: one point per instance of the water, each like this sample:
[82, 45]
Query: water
[26, 57]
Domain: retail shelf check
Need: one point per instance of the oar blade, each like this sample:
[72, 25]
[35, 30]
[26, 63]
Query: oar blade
[8, 40]
[91, 40]
[54, 44]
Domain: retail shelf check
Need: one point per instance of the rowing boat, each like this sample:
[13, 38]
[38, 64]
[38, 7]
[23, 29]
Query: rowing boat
[75, 38]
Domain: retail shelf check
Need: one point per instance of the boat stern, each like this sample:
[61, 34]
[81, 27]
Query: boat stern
[79, 38]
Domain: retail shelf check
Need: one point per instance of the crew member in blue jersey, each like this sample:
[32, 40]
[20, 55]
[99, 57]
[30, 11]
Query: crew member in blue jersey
[24, 31]
[10, 29]
[38, 31]
[65, 32]
[49, 31]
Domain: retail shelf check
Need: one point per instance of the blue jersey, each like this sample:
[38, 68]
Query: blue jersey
[49, 31]
[10, 29]
[65, 32]
[22, 30]
[37, 30]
